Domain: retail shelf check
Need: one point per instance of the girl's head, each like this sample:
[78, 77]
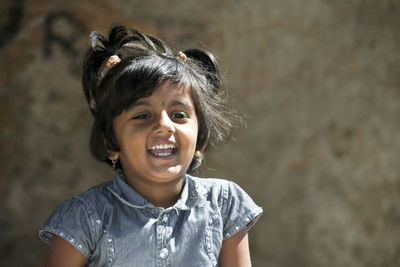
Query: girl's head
[129, 66]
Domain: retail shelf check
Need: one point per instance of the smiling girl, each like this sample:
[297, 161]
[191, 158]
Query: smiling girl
[155, 113]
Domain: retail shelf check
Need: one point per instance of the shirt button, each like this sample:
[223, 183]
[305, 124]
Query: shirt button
[164, 253]
[165, 218]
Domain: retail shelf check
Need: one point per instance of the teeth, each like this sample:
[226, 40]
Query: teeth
[163, 154]
[163, 146]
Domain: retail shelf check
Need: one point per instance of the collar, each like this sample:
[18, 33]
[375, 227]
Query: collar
[193, 194]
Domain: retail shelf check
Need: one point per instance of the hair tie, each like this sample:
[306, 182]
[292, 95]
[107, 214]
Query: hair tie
[181, 56]
[113, 60]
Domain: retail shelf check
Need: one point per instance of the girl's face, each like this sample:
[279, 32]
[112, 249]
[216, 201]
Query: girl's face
[157, 136]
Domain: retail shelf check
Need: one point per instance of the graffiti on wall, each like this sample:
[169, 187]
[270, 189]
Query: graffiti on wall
[59, 28]
[12, 23]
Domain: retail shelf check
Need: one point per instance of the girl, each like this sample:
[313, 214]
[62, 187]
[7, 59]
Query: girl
[154, 115]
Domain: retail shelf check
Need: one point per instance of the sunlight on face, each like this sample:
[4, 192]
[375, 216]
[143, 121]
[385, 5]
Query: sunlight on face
[157, 136]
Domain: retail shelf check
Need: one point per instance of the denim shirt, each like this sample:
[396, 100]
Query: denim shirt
[115, 226]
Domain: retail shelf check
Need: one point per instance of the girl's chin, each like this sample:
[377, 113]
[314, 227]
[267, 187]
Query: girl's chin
[170, 174]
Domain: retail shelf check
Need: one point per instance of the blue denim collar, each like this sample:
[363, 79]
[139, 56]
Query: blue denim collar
[192, 194]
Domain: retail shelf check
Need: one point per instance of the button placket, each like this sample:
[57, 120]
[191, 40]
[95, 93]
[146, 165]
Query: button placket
[164, 219]
[163, 253]
[162, 237]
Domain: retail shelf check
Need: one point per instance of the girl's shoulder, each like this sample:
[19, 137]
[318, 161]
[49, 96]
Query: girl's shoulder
[236, 207]
[214, 184]
[88, 203]
[208, 186]
[223, 189]
[90, 200]
[78, 219]
[208, 183]
[96, 193]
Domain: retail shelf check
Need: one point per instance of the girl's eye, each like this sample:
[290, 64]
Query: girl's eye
[179, 115]
[141, 116]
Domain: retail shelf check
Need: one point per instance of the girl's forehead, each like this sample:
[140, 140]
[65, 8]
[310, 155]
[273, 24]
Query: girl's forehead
[167, 94]
[170, 90]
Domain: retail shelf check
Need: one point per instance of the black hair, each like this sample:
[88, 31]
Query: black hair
[146, 63]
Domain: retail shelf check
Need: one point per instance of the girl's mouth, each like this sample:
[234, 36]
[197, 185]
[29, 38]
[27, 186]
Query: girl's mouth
[164, 150]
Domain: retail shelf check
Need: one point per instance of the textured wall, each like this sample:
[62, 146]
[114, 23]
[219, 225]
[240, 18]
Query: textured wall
[317, 79]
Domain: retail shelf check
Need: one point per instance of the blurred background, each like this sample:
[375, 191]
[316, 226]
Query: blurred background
[319, 84]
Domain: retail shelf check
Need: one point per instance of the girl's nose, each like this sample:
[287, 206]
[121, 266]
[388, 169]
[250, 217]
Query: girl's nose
[164, 124]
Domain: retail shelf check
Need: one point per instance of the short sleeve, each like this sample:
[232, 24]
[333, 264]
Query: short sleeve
[71, 221]
[239, 210]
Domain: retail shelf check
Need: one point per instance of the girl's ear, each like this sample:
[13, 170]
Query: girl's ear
[208, 62]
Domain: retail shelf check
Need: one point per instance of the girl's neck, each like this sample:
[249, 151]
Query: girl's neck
[160, 195]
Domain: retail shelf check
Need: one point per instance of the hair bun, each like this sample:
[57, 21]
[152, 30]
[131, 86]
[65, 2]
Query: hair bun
[97, 41]
[208, 62]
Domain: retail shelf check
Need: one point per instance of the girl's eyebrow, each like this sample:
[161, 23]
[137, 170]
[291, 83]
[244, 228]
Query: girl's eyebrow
[175, 102]
[140, 102]
[181, 102]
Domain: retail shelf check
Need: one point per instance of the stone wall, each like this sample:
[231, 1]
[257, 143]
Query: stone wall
[317, 80]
